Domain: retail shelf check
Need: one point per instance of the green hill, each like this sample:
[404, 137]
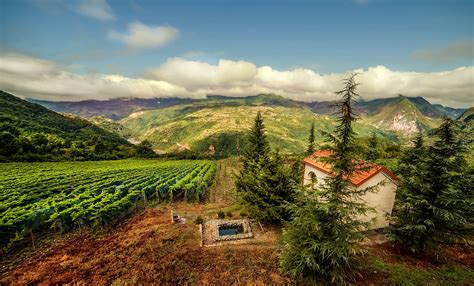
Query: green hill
[32, 132]
[36, 118]
[223, 122]
[467, 116]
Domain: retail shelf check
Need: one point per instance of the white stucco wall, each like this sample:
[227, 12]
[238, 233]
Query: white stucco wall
[382, 201]
[319, 174]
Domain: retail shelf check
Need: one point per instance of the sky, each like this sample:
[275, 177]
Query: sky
[100, 49]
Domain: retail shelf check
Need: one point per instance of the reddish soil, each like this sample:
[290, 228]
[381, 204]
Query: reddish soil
[147, 248]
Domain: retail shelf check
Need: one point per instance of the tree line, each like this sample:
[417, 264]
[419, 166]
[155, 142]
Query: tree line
[321, 235]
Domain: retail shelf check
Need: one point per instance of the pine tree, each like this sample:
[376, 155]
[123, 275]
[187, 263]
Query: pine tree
[258, 148]
[373, 153]
[324, 236]
[410, 203]
[264, 184]
[311, 146]
[435, 201]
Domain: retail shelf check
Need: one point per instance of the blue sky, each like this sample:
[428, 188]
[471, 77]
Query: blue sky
[96, 36]
[326, 36]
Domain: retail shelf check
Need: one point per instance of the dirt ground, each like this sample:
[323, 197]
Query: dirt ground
[148, 248]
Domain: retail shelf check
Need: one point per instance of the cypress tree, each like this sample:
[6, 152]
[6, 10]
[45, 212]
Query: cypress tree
[324, 236]
[311, 146]
[435, 201]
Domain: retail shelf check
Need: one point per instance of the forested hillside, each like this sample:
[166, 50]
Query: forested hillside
[31, 132]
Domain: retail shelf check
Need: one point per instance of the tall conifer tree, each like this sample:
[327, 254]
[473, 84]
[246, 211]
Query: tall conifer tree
[373, 153]
[324, 236]
[264, 184]
[311, 146]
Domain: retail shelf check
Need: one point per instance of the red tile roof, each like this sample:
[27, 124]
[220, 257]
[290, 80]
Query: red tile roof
[358, 178]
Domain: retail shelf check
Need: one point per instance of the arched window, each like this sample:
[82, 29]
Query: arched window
[313, 178]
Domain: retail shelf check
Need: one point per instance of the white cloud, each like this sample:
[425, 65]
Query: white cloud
[195, 75]
[177, 77]
[454, 51]
[24, 65]
[240, 78]
[36, 78]
[140, 36]
[97, 9]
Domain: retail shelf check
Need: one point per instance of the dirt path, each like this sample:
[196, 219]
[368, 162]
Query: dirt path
[223, 190]
[148, 248]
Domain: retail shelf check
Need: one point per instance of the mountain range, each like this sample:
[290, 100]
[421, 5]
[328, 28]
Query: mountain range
[174, 123]
[119, 108]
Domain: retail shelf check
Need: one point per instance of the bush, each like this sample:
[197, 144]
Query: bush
[229, 214]
[243, 214]
[199, 220]
[221, 214]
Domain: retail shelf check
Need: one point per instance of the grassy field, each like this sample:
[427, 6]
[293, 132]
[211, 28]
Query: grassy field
[147, 248]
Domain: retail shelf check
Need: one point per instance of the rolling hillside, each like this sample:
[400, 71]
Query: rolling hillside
[224, 122]
[36, 118]
[173, 123]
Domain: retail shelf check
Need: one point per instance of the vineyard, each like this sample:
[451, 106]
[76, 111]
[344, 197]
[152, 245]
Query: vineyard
[67, 195]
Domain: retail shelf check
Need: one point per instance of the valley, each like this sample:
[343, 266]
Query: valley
[173, 124]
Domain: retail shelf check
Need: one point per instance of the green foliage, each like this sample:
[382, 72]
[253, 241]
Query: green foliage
[226, 144]
[221, 214]
[373, 153]
[243, 214]
[264, 184]
[36, 197]
[296, 169]
[258, 148]
[199, 220]
[400, 274]
[30, 132]
[435, 201]
[224, 122]
[311, 147]
[145, 149]
[323, 238]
